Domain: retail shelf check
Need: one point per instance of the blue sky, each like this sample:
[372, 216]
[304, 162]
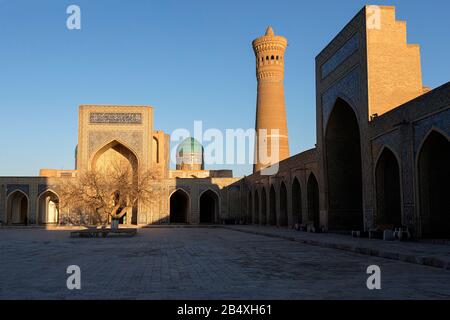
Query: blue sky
[191, 60]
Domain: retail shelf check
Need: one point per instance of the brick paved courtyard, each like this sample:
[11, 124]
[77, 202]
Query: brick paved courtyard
[200, 263]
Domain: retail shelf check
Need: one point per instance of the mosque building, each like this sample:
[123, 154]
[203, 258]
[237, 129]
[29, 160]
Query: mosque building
[381, 159]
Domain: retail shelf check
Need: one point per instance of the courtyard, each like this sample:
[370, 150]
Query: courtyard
[200, 263]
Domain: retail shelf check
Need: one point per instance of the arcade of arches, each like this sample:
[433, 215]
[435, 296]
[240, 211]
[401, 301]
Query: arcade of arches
[18, 205]
[180, 207]
[293, 199]
[301, 199]
[381, 159]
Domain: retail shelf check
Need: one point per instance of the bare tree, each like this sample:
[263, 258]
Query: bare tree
[104, 195]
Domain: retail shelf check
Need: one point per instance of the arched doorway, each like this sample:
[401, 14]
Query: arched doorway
[256, 213]
[114, 155]
[434, 186]
[179, 207]
[283, 205]
[48, 208]
[273, 207]
[17, 208]
[387, 178]
[209, 207]
[263, 206]
[116, 159]
[343, 166]
[249, 207]
[296, 202]
[313, 201]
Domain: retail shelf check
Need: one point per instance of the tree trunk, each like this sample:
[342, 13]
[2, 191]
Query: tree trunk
[114, 224]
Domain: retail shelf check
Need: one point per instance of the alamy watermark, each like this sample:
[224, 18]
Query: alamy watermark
[374, 280]
[73, 21]
[232, 147]
[74, 280]
[373, 17]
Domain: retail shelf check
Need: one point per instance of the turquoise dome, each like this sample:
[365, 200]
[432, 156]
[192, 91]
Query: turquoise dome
[189, 146]
[190, 155]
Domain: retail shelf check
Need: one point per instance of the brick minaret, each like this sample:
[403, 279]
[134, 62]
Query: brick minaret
[270, 109]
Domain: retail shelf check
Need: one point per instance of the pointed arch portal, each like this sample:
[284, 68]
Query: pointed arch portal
[273, 207]
[179, 207]
[387, 178]
[249, 207]
[313, 201]
[209, 207]
[263, 206]
[17, 208]
[296, 202]
[283, 205]
[256, 216]
[434, 186]
[343, 166]
[48, 207]
[113, 156]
